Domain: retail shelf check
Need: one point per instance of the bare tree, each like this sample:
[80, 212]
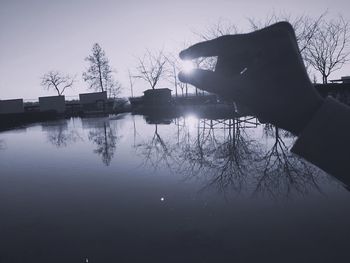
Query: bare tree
[329, 50]
[114, 91]
[106, 140]
[281, 172]
[220, 28]
[151, 67]
[60, 135]
[57, 81]
[99, 74]
[156, 152]
[304, 26]
[175, 68]
[324, 45]
[131, 82]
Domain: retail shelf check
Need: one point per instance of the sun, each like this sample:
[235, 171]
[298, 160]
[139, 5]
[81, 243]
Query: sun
[191, 122]
[187, 66]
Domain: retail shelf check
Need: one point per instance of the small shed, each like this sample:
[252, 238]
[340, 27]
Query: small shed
[11, 106]
[155, 97]
[56, 103]
[345, 79]
[95, 101]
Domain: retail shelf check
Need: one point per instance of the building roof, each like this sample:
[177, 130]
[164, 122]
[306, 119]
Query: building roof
[156, 90]
[92, 93]
[52, 97]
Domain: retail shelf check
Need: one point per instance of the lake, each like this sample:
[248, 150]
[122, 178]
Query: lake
[140, 189]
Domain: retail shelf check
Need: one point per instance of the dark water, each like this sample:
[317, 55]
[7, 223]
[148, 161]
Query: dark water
[183, 190]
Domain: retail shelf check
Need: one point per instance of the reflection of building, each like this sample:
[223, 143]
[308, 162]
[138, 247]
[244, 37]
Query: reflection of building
[11, 106]
[338, 89]
[154, 97]
[56, 103]
[93, 102]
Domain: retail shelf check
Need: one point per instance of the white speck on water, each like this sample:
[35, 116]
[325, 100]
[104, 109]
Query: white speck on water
[243, 71]
[162, 199]
[86, 260]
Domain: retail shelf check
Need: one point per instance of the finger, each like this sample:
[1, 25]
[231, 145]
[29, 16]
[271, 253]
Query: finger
[202, 79]
[262, 120]
[211, 82]
[243, 110]
[206, 49]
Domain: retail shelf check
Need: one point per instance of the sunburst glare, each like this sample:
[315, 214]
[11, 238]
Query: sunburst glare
[187, 66]
[191, 122]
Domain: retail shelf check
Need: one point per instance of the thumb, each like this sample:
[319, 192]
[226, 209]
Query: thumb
[212, 82]
[203, 79]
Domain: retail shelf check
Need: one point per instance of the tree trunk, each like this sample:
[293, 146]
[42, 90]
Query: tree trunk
[324, 79]
[58, 91]
[132, 92]
[100, 77]
[175, 81]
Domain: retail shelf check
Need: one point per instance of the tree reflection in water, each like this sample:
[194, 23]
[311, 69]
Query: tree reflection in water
[156, 151]
[219, 152]
[283, 172]
[59, 135]
[105, 139]
[228, 158]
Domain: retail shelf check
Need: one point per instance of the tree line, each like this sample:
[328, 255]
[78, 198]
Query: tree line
[323, 44]
[99, 75]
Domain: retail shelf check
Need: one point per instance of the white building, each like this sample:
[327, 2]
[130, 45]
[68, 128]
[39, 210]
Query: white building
[11, 106]
[56, 103]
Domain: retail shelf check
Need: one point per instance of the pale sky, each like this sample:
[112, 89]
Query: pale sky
[37, 36]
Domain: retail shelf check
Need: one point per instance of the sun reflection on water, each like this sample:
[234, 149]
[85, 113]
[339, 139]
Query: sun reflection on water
[191, 121]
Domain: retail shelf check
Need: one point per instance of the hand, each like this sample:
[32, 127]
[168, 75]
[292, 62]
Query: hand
[262, 71]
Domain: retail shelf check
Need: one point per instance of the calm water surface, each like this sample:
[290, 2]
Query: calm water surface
[135, 189]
